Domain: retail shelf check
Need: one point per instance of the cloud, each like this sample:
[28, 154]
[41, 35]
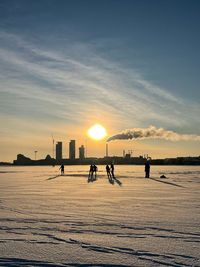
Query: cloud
[76, 82]
[152, 132]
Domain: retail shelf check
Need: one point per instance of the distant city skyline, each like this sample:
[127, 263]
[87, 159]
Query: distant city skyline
[67, 66]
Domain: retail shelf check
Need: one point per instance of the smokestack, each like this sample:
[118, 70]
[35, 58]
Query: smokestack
[106, 149]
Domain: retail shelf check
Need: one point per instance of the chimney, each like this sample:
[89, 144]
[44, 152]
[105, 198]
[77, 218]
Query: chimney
[106, 149]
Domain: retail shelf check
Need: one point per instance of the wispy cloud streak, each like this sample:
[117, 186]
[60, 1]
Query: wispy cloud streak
[75, 85]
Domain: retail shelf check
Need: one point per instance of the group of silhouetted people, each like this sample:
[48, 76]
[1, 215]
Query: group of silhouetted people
[92, 172]
[109, 169]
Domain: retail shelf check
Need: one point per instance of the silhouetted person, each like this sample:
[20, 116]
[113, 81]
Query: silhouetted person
[90, 176]
[112, 169]
[62, 169]
[108, 171]
[95, 170]
[147, 169]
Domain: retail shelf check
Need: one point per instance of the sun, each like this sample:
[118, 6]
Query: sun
[97, 132]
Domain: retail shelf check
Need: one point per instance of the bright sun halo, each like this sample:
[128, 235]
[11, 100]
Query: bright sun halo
[97, 132]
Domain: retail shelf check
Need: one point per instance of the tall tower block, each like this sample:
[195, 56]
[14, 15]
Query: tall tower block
[81, 152]
[72, 149]
[59, 151]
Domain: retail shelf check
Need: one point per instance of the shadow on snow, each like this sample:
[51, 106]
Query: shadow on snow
[8, 262]
[164, 182]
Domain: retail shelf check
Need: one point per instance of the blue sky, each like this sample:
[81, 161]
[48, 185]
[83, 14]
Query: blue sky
[66, 65]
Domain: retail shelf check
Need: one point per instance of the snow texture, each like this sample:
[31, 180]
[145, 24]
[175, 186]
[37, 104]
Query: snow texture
[53, 220]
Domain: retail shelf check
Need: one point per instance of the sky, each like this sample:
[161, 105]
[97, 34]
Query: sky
[69, 64]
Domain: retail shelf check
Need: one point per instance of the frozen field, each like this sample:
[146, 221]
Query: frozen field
[52, 220]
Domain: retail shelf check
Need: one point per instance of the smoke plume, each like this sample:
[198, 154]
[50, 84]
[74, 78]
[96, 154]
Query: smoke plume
[152, 132]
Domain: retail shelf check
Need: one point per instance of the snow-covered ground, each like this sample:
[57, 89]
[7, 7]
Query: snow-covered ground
[52, 220]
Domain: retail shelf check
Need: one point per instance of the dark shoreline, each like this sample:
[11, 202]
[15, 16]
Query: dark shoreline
[48, 161]
[15, 165]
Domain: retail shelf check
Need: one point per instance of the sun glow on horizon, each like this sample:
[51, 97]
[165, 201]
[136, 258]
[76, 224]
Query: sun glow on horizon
[97, 132]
